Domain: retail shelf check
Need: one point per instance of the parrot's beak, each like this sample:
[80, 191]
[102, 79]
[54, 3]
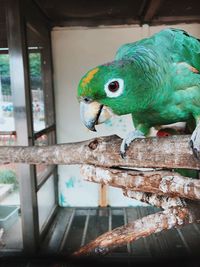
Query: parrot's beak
[94, 113]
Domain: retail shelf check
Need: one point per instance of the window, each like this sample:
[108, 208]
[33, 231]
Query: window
[10, 215]
[36, 86]
[6, 103]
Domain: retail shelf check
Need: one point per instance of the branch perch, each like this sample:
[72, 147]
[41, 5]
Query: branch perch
[155, 200]
[143, 227]
[158, 182]
[169, 152]
[164, 189]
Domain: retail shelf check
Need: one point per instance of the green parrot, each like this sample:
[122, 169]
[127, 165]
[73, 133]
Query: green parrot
[156, 80]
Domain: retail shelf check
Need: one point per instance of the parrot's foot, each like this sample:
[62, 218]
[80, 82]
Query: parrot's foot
[128, 139]
[195, 141]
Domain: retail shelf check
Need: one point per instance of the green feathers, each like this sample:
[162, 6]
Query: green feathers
[156, 80]
[173, 45]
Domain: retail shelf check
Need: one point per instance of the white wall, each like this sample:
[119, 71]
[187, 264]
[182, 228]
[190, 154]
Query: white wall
[75, 51]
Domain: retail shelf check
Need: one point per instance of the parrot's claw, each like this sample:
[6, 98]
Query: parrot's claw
[123, 150]
[195, 142]
[128, 139]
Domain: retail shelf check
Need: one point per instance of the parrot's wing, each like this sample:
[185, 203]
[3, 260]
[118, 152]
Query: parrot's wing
[173, 45]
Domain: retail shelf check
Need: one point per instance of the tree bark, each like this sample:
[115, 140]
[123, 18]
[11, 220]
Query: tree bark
[169, 152]
[158, 182]
[154, 223]
[164, 189]
[156, 200]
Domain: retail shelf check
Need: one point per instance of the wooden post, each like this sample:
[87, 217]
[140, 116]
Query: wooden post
[103, 195]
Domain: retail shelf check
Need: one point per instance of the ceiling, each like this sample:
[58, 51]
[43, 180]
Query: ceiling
[92, 13]
[118, 12]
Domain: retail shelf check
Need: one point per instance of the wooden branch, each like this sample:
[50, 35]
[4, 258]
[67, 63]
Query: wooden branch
[143, 227]
[156, 200]
[178, 212]
[102, 154]
[158, 182]
[168, 152]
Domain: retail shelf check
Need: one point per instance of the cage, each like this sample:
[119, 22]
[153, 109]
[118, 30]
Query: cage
[45, 48]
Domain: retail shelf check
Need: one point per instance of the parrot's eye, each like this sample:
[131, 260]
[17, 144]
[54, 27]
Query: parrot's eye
[114, 87]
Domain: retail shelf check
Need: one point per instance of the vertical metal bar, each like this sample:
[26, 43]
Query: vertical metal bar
[67, 231]
[125, 222]
[85, 228]
[184, 241]
[49, 99]
[140, 215]
[23, 122]
[196, 228]
[38, 24]
[110, 219]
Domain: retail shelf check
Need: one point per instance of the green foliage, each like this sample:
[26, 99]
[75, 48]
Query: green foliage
[34, 60]
[35, 64]
[4, 65]
[8, 177]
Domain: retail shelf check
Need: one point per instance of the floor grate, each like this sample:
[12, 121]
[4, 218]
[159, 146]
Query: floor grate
[85, 224]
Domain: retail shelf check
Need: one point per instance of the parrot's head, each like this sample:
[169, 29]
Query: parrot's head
[104, 91]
